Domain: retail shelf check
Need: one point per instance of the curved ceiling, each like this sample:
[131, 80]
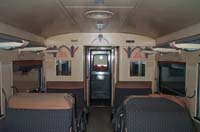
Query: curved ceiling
[152, 18]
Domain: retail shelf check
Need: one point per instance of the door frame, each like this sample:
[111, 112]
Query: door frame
[114, 68]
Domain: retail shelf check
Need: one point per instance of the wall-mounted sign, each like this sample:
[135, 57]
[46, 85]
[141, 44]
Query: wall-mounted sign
[130, 41]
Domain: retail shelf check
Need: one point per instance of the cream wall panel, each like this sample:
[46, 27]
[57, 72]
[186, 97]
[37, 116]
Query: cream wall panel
[124, 68]
[192, 59]
[7, 81]
[76, 71]
[86, 39]
[191, 85]
[114, 39]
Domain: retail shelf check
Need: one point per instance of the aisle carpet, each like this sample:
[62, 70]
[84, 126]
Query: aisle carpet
[99, 120]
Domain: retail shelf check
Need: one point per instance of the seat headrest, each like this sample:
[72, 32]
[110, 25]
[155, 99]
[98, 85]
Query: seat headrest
[168, 97]
[41, 101]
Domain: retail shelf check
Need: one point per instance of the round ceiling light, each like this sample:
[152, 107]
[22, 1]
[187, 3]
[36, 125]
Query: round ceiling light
[99, 14]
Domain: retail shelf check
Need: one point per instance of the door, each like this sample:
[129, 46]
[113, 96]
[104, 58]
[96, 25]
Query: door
[100, 77]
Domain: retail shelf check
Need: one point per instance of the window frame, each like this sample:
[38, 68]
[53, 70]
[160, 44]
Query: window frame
[140, 67]
[160, 89]
[69, 67]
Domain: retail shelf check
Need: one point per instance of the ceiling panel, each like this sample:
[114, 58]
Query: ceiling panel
[152, 18]
[111, 3]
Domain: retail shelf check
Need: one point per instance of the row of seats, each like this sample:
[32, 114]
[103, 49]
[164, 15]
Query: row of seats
[50, 112]
[125, 89]
[152, 113]
[76, 89]
[40, 112]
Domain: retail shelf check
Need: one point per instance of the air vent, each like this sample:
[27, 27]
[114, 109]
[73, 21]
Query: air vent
[130, 41]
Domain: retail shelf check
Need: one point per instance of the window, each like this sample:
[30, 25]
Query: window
[63, 68]
[137, 68]
[172, 78]
[100, 63]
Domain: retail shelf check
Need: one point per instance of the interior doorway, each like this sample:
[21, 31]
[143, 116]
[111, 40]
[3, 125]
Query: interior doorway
[99, 75]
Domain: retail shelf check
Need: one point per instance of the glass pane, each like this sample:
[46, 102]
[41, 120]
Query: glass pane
[172, 79]
[100, 63]
[143, 69]
[63, 68]
[137, 68]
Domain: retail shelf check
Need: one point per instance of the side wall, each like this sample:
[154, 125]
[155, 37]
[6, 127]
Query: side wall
[6, 72]
[191, 59]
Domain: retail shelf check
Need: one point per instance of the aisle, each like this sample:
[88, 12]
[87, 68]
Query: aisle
[99, 120]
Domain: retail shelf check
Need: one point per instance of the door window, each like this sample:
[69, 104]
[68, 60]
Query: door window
[100, 63]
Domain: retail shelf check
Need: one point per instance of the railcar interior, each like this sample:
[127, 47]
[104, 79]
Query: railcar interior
[99, 66]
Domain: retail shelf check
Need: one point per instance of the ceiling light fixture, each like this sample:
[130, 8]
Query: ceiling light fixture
[99, 14]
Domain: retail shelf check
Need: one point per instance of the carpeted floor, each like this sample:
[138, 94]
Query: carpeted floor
[99, 120]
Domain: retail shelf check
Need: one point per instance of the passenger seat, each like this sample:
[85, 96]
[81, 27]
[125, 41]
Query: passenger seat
[37, 112]
[125, 89]
[76, 89]
[154, 113]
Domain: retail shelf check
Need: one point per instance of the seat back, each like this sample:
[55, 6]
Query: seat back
[125, 89]
[74, 88]
[156, 114]
[38, 112]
